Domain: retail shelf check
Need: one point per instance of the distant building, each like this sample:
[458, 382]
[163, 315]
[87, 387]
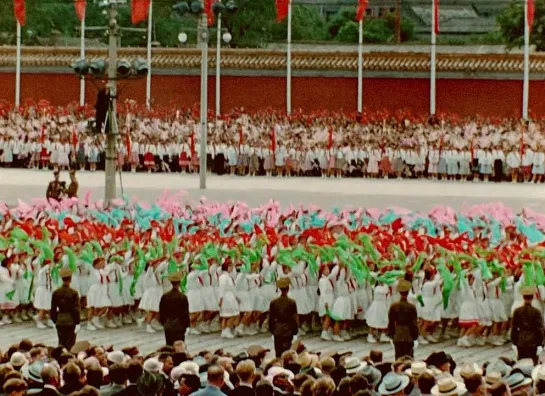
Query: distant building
[457, 17]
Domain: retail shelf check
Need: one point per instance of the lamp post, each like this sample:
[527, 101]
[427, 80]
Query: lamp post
[196, 8]
[111, 71]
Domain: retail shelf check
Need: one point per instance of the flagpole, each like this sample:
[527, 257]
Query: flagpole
[82, 56]
[288, 71]
[360, 67]
[526, 81]
[150, 35]
[18, 68]
[433, 58]
[218, 67]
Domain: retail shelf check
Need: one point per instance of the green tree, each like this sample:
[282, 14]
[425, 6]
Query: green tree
[511, 23]
[344, 15]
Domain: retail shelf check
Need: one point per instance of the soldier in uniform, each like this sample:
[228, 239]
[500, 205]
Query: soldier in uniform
[283, 323]
[527, 327]
[54, 188]
[174, 311]
[402, 323]
[72, 190]
[65, 310]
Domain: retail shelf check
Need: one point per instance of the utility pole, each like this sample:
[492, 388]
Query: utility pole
[111, 132]
[203, 35]
[398, 21]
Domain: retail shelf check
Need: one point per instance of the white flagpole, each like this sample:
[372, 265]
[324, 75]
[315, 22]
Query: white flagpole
[150, 35]
[218, 67]
[433, 59]
[82, 56]
[288, 71]
[18, 68]
[360, 67]
[526, 82]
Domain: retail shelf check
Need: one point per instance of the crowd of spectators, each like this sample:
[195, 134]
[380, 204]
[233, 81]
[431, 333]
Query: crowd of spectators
[91, 370]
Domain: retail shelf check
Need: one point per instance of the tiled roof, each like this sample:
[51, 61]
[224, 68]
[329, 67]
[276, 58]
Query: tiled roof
[178, 59]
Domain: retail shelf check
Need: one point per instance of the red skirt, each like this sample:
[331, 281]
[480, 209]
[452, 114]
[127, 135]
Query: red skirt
[195, 161]
[184, 159]
[149, 159]
[386, 165]
[44, 155]
[527, 170]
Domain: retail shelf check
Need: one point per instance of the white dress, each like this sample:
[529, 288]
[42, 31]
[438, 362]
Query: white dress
[298, 291]
[326, 285]
[377, 314]
[483, 306]
[468, 309]
[497, 307]
[115, 291]
[23, 282]
[153, 291]
[342, 307]
[433, 300]
[229, 307]
[44, 291]
[242, 292]
[194, 289]
[209, 304]
[267, 290]
[97, 296]
[7, 286]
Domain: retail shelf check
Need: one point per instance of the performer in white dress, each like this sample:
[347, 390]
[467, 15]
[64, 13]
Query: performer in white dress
[229, 309]
[42, 297]
[98, 301]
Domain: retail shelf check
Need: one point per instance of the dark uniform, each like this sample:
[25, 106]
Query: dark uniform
[54, 190]
[65, 313]
[174, 313]
[72, 190]
[527, 331]
[283, 321]
[403, 327]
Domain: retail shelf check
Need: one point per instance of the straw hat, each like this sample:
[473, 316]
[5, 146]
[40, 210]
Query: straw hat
[393, 383]
[417, 369]
[353, 365]
[448, 386]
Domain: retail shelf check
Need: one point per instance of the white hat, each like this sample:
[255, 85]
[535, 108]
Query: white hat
[466, 370]
[393, 383]
[116, 357]
[153, 365]
[448, 386]
[418, 368]
[176, 373]
[275, 370]
[352, 365]
[17, 359]
[516, 380]
[538, 373]
[189, 367]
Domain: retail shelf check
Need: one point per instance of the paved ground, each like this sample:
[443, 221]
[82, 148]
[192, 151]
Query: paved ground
[133, 335]
[415, 195]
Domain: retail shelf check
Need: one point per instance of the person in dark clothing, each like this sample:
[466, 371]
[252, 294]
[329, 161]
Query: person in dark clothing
[71, 375]
[65, 310]
[174, 311]
[527, 327]
[283, 322]
[134, 372]
[54, 188]
[403, 323]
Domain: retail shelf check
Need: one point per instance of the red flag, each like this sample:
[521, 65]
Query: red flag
[74, 140]
[531, 13]
[362, 7]
[208, 10]
[139, 11]
[20, 11]
[330, 140]
[192, 144]
[273, 142]
[436, 16]
[80, 6]
[282, 7]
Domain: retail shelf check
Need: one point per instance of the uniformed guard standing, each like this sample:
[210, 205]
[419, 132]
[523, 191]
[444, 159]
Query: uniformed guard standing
[527, 327]
[283, 324]
[65, 310]
[72, 190]
[174, 311]
[403, 323]
[54, 188]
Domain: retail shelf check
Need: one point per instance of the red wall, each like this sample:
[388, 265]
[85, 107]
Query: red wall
[461, 96]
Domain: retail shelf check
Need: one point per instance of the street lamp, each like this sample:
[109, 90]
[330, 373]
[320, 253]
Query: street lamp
[219, 8]
[196, 8]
